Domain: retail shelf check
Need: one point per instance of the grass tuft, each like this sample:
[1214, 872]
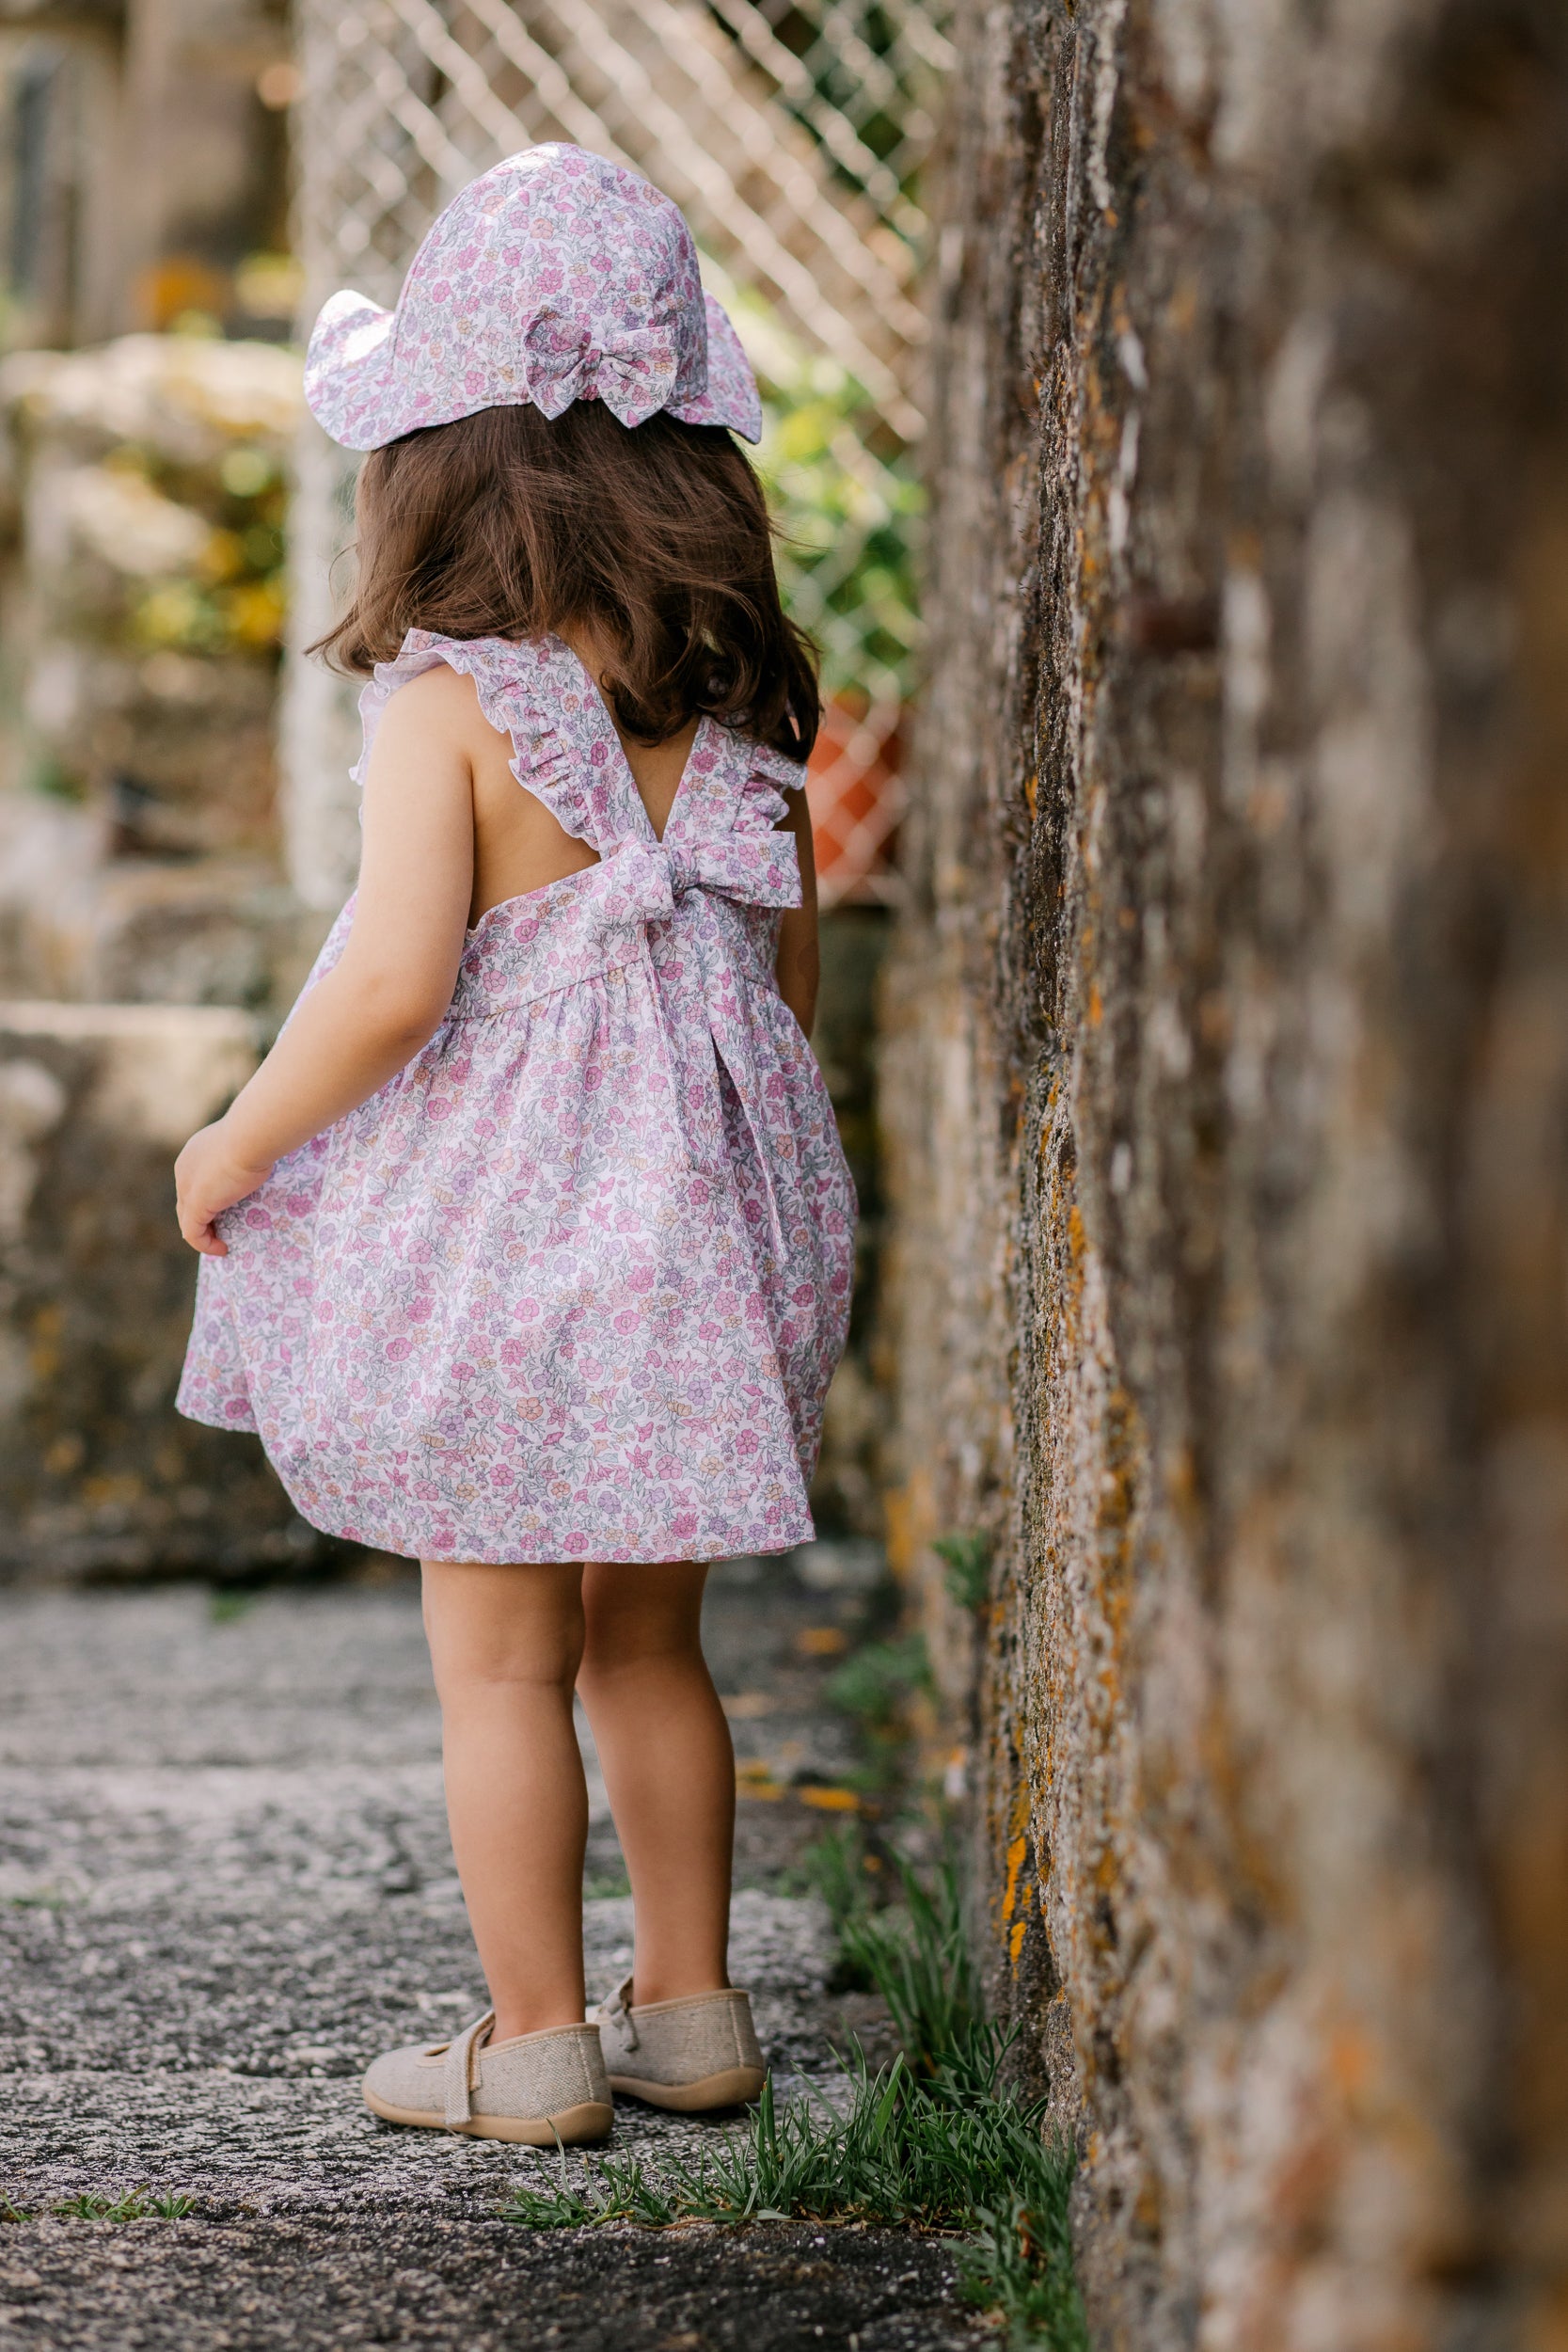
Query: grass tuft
[137, 2205]
[1020, 2264]
[936, 2140]
[228, 1603]
[916, 1954]
[878, 1683]
[904, 2151]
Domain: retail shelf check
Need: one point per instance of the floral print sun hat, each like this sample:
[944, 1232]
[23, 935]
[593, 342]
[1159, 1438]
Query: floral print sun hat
[555, 276]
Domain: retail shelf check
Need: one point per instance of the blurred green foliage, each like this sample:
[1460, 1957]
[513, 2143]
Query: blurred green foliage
[849, 505]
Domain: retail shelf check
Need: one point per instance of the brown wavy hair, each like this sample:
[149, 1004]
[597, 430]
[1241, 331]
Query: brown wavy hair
[510, 523]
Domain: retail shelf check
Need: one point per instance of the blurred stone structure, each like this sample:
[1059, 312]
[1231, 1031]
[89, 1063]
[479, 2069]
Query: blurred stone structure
[97, 1475]
[140, 842]
[147, 937]
[1227, 1073]
[142, 167]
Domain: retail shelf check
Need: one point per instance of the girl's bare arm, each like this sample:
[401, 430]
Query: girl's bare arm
[799, 966]
[386, 996]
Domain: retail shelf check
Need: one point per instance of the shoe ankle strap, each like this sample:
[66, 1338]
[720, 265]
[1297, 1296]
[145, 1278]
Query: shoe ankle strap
[461, 2071]
[619, 2008]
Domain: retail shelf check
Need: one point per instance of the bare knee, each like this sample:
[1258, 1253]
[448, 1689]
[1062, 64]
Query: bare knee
[516, 1628]
[636, 1617]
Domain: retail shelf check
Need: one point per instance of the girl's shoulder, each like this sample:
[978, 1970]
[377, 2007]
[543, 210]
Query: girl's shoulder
[503, 672]
[564, 748]
[534, 690]
[510, 679]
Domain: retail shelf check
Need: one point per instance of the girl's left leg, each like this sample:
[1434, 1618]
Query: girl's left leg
[506, 1643]
[669, 1769]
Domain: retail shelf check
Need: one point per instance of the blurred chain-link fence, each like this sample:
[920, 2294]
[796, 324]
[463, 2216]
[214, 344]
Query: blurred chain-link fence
[792, 133]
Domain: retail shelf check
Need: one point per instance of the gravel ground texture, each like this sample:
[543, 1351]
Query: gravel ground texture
[225, 1884]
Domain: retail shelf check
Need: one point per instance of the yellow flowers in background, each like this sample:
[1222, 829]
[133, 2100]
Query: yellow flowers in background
[230, 596]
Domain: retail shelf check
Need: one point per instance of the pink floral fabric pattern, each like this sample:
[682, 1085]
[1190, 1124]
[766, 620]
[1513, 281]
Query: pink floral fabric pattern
[554, 277]
[572, 1284]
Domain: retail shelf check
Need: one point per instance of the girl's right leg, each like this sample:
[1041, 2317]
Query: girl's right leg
[505, 1643]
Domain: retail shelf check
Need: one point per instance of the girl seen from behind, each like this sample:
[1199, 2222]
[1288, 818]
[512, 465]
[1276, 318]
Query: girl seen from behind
[527, 1249]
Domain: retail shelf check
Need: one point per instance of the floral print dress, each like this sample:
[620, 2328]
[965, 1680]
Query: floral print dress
[572, 1284]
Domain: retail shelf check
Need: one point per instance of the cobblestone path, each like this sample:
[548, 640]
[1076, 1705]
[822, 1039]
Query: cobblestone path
[225, 1883]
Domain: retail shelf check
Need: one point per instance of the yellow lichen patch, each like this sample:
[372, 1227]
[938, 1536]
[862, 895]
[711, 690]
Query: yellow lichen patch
[1017, 1853]
[1015, 1941]
[1182, 1485]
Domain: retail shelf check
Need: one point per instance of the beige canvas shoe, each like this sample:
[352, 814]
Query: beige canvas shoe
[688, 2054]
[537, 2088]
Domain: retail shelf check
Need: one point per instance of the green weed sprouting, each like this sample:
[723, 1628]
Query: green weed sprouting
[228, 1603]
[1020, 2264]
[936, 2140]
[137, 2205]
[877, 1683]
[605, 1883]
[916, 1956]
[840, 1867]
[905, 2150]
[968, 1559]
[883, 1687]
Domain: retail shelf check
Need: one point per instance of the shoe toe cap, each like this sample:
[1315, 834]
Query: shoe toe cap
[403, 2078]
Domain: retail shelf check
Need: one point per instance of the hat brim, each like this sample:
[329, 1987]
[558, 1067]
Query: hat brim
[349, 386]
[732, 397]
[352, 389]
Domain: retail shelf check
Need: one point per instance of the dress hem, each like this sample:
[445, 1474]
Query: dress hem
[488, 1557]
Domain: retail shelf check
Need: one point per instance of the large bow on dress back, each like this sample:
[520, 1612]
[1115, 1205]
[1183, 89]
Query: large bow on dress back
[646, 881]
[709, 1022]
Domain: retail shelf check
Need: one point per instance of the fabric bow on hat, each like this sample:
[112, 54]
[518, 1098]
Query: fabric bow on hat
[631, 371]
[555, 276]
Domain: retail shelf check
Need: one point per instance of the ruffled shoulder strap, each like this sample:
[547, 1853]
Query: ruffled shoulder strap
[529, 693]
[731, 784]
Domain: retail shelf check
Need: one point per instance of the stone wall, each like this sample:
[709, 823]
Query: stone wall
[1227, 1086]
[98, 1475]
[149, 938]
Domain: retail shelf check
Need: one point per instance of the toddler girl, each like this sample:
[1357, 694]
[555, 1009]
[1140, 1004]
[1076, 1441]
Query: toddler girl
[528, 1249]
